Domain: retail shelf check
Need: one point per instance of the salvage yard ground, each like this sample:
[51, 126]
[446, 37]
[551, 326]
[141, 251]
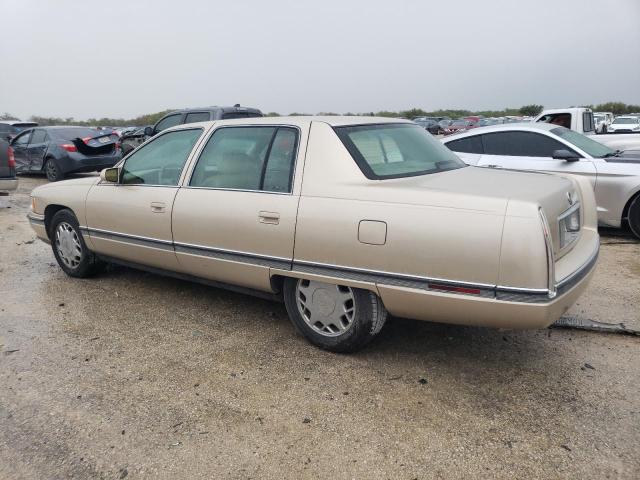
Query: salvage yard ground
[135, 375]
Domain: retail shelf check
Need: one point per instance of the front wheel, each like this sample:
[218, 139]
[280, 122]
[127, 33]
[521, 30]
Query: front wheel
[334, 317]
[52, 171]
[69, 248]
[634, 216]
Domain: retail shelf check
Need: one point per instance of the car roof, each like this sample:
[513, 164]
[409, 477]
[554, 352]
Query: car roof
[505, 127]
[215, 108]
[334, 121]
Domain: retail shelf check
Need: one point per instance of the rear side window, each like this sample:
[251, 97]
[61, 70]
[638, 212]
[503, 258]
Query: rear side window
[160, 161]
[248, 158]
[194, 117]
[466, 145]
[39, 136]
[168, 122]
[520, 144]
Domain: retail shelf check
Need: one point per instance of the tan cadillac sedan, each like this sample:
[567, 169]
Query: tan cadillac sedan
[345, 218]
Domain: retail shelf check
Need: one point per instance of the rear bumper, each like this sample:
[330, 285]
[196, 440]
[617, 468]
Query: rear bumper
[8, 184]
[516, 311]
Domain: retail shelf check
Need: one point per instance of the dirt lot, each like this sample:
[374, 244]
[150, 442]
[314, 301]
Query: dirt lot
[139, 376]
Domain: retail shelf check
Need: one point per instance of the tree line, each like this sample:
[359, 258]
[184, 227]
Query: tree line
[618, 108]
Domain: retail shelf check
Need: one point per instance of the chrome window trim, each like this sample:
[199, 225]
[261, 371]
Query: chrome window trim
[187, 181]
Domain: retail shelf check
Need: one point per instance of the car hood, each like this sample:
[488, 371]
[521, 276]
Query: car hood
[84, 182]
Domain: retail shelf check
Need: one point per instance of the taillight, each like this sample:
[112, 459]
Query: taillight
[86, 140]
[11, 163]
[69, 147]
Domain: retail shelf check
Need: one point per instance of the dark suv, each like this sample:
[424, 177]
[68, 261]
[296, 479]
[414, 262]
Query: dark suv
[190, 115]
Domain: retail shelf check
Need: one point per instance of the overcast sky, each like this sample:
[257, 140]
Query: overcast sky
[124, 58]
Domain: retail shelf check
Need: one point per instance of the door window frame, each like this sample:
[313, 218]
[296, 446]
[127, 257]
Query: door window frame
[205, 141]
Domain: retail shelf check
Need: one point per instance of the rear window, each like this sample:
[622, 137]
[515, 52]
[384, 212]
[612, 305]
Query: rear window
[587, 122]
[71, 133]
[231, 115]
[396, 150]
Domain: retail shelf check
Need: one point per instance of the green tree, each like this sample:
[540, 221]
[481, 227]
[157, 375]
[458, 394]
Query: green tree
[8, 116]
[531, 110]
[614, 107]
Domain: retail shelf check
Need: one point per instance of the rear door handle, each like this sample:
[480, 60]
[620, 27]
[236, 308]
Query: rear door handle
[269, 217]
[158, 207]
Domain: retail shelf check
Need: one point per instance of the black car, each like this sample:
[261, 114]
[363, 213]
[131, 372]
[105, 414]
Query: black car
[8, 179]
[58, 151]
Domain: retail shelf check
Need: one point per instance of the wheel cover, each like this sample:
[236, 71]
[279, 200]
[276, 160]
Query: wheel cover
[328, 309]
[51, 169]
[68, 245]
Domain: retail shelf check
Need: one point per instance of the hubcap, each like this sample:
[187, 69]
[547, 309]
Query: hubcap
[68, 245]
[328, 309]
[51, 169]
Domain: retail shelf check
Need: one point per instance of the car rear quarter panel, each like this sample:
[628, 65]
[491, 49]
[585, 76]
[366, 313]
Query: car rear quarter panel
[429, 234]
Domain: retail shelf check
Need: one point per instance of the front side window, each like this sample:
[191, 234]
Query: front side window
[168, 122]
[520, 144]
[396, 150]
[466, 145]
[248, 158]
[194, 117]
[160, 161]
[22, 139]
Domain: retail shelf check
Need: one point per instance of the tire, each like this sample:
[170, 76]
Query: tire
[346, 318]
[634, 216]
[69, 248]
[52, 170]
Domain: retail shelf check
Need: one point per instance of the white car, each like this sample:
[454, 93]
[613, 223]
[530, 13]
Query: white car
[625, 124]
[615, 175]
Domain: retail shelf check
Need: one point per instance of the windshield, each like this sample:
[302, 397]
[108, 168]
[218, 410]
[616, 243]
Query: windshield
[396, 150]
[591, 147]
[626, 120]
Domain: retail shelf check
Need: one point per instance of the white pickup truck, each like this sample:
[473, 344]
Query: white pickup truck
[581, 120]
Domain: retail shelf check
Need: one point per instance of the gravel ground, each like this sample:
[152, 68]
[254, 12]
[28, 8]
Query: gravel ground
[140, 376]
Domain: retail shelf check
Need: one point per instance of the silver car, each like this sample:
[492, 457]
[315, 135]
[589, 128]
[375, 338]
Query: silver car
[614, 175]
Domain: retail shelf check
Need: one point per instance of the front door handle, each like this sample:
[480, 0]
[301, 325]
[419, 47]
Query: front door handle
[269, 217]
[158, 207]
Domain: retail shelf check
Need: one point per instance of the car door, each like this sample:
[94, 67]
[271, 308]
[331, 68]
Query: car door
[524, 150]
[131, 220]
[37, 149]
[235, 218]
[19, 146]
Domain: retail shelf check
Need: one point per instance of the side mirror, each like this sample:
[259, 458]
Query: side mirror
[111, 175]
[565, 155]
[148, 131]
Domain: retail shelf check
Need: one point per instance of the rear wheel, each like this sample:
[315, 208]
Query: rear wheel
[334, 317]
[634, 216]
[52, 171]
[69, 248]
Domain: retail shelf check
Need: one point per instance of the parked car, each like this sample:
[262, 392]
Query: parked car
[193, 115]
[625, 124]
[8, 180]
[580, 119]
[10, 128]
[384, 219]
[59, 151]
[133, 139]
[614, 175]
[602, 121]
[459, 125]
[430, 125]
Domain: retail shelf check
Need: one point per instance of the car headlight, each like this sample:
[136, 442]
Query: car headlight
[569, 226]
